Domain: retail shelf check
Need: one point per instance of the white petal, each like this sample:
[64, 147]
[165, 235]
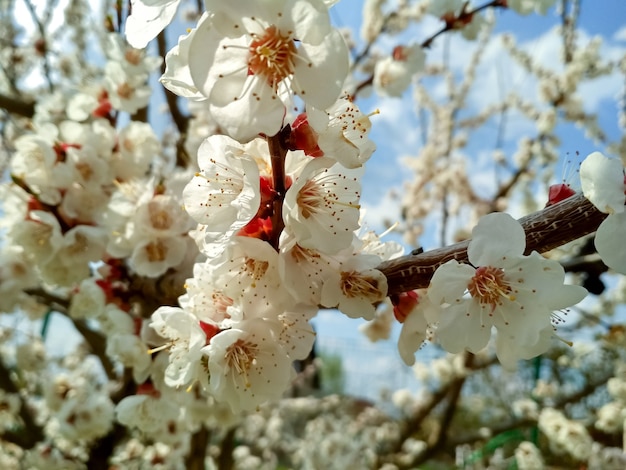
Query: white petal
[412, 335]
[602, 182]
[321, 70]
[146, 22]
[610, 242]
[449, 282]
[495, 237]
[308, 19]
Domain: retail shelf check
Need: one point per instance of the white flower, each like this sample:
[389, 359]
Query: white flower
[297, 335]
[149, 414]
[131, 352]
[87, 416]
[127, 91]
[303, 270]
[321, 208]
[247, 272]
[440, 8]
[138, 146]
[380, 327]
[177, 77]
[148, 18]
[247, 56]
[524, 7]
[185, 339]
[39, 235]
[89, 301]
[415, 327]
[35, 162]
[528, 457]
[602, 182]
[225, 194]
[610, 417]
[247, 366]
[153, 256]
[161, 216]
[343, 133]
[393, 74]
[355, 287]
[501, 288]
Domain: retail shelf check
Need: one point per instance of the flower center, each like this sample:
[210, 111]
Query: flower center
[310, 199]
[255, 269]
[156, 251]
[354, 284]
[240, 356]
[271, 56]
[488, 286]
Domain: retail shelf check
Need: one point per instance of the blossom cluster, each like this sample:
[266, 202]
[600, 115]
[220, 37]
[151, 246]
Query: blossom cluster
[201, 282]
[276, 200]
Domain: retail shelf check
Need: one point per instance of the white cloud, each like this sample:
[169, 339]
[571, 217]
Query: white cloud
[620, 34]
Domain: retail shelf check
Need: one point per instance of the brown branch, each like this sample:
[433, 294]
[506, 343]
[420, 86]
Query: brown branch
[42, 48]
[504, 426]
[413, 424]
[197, 449]
[30, 433]
[225, 460]
[278, 152]
[180, 120]
[17, 106]
[97, 342]
[545, 230]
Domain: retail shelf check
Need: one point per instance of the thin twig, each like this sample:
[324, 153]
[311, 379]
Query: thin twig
[44, 52]
[180, 120]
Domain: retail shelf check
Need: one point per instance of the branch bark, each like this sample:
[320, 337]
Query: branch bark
[17, 106]
[545, 230]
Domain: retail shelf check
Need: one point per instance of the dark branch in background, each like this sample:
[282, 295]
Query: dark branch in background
[96, 340]
[545, 230]
[197, 449]
[568, 22]
[17, 106]
[508, 425]
[454, 393]
[180, 120]
[413, 424]
[41, 48]
[31, 433]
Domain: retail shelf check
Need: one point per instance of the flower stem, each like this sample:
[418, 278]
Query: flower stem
[278, 151]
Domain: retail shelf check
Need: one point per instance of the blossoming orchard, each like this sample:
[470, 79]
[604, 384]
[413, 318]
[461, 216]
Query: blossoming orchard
[189, 187]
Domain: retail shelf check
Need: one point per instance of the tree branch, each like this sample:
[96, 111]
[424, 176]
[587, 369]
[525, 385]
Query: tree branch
[180, 120]
[31, 433]
[17, 106]
[545, 230]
